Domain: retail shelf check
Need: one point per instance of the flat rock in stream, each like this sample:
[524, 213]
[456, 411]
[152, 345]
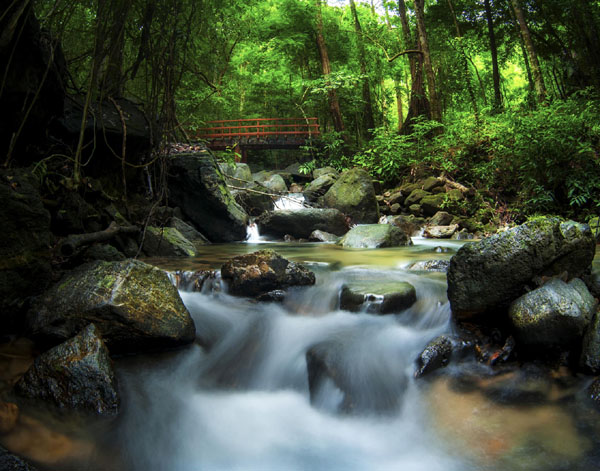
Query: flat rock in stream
[300, 223]
[378, 297]
[374, 236]
[264, 271]
[76, 375]
[134, 305]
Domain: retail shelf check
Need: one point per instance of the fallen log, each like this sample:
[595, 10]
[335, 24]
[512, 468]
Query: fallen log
[73, 242]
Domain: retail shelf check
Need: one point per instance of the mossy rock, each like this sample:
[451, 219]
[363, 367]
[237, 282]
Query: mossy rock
[377, 297]
[373, 236]
[301, 223]
[134, 305]
[189, 232]
[408, 188]
[594, 224]
[75, 375]
[276, 183]
[167, 242]
[319, 172]
[319, 186]
[590, 354]
[415, 197]
[354, 195]
[431, 204]
[486, 276]
[431, 183]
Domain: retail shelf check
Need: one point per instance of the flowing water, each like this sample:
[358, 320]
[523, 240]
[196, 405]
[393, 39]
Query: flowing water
[241, 401]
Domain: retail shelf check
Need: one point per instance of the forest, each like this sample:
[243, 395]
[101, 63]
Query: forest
[499, 95]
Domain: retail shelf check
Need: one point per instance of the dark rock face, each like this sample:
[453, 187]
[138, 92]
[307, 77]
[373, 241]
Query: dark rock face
[167, 242]
[134, 306]
[354, 195]
[10, 462]
[373, 236]
[263, 271]
[594, 391]
[189, 232]
[25, 243]
[590, 354]
[319, 186]
[302, 222]
[255, 199]
[490, 274]
[76, 374]
[378, 297]
[438, 353]
[198, 187]
[557, 313]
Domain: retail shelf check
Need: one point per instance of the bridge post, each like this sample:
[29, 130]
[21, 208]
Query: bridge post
[242, 152]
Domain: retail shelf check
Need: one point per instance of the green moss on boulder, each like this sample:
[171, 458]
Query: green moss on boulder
[354, 195]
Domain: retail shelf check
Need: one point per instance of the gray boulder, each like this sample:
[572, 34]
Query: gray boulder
[590, 354]
[430, 265]
[167, 242]
[76, 375]
[488, 275]
[242, 176]
[354, 195]
[198, 187]
[276, 183]
[319, 172]
[322, 236]
[189, 232]
[441, 218]
[260, 272]
[301, 223]
[319, 186]
[377, 297]
[134, 306]
[440, 232]
[557, 313]
[373, 236]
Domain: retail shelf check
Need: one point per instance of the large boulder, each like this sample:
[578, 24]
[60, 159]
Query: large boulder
[255, 199]
[377, 297]
[198, 187]
[415, 197]
[239, 173]
[354, 195]
[488, 275]
[374, 236]
[319, 172]
[557, 313]
[301, 223]
[319, 186]
[77, 375]
[440, 232]
[134, 306]
[25, 243]
[188, 232]
[590, 353]
[260, 272]
[167, 242]
[276, 183]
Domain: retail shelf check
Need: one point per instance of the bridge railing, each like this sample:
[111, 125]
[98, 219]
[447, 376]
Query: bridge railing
[260, 128]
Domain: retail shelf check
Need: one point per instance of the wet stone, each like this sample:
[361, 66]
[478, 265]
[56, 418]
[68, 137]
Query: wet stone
[378, 297]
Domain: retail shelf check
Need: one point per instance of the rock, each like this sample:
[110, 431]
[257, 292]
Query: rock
[319, 172]
[296, 188]
[354, 195]
[438, 352]
[198, 187]
[590, 354]
[440, 232]
[10, 462]
[530, 384]
[25, 243]
[134, 306]
[275, 296]
[322, 236]
[594, 391]
[167, 242]
[275, 183]
[491, 273]
[431, 183]
[378, 297]
[594, 224]
[415, 210]
[301, 223]
[398, 197]
[263, 271]
[408, 188]
[432, 204]
[104, 252]
[318, 187]
[373, 236]
[557, 313]
[462, 235]
[430, 265]
[195, 280]
[441, 218]
[395, 208]
[408, 224]
[242, 176]
[255, 200]
[188, 232]
[415, 197]
[9, 415]
[76, 375]
[593, 283]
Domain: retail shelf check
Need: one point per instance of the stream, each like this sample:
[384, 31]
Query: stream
[244, 403]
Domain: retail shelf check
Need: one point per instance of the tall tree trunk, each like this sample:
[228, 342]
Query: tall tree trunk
[113, 79]
[494, 50]
[465, 63]
[368, 119]
[418, 105]
[397, 87]
[436, 110]
[334, 104]
[536, 70]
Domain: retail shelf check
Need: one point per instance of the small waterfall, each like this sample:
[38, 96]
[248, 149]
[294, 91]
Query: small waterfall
[252, 234]
[292, 201]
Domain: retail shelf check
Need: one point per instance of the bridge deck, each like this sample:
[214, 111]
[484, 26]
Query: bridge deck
[259, 133]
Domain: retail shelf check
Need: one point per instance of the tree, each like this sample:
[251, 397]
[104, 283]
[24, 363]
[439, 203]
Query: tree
[494, 51]
[436, 109]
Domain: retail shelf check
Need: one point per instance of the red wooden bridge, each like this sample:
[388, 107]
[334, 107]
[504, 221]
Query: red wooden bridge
[259, 133]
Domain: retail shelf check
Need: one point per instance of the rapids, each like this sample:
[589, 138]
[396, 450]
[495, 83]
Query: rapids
[239, 398]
